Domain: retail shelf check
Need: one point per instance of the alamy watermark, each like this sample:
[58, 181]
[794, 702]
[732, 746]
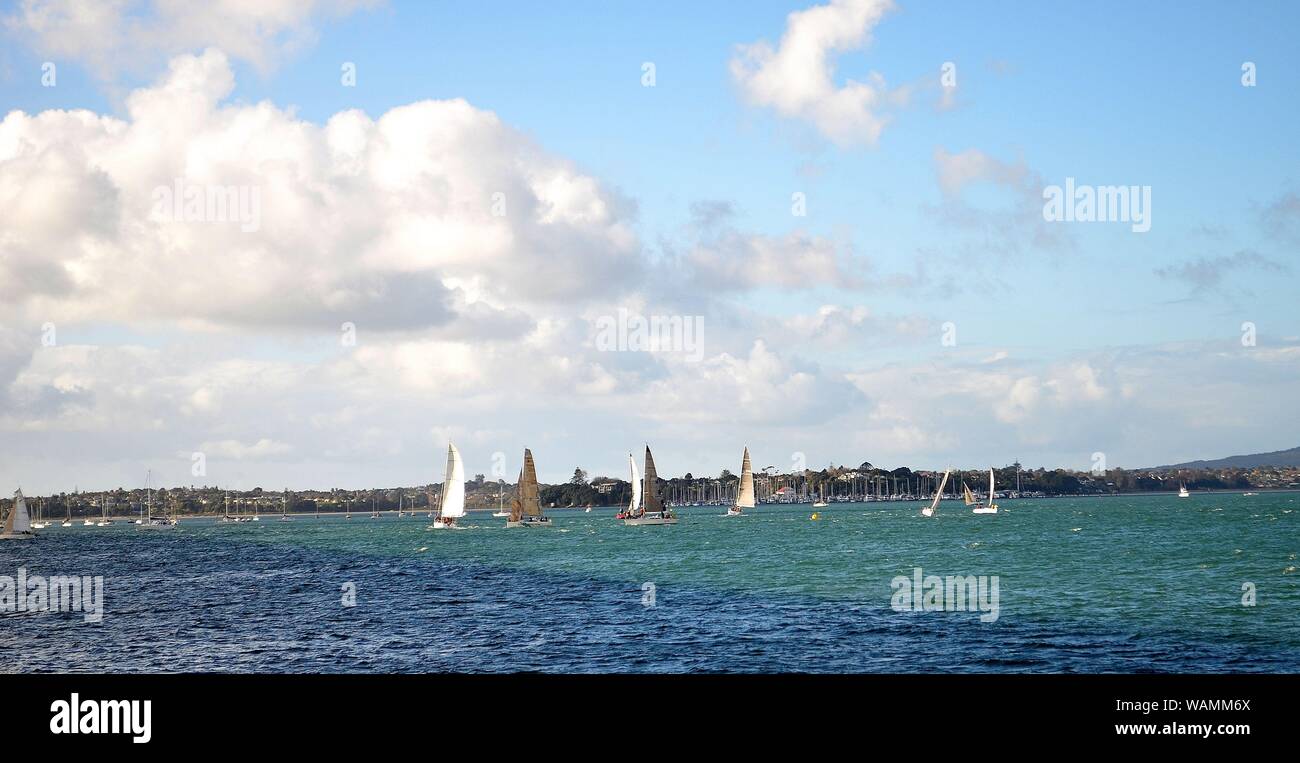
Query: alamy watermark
[1101, 204]
[954, 593]
[195, 203]
[628, 332]
[57, 593]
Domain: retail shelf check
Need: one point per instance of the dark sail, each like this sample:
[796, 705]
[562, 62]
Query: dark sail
[529, 496]
[650, 491]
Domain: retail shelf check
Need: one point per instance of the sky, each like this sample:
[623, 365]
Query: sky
[439, 211]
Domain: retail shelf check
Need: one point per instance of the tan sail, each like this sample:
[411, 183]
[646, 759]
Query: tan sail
[745, 498]
[529, 496]
[970, 497]
[650, 491]
[516, 506]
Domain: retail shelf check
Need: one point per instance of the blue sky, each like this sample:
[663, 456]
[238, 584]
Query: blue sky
[1107, 93]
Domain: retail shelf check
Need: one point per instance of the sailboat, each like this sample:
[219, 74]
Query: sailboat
[104, 521]
[453, 492]
[225, 513]
[745, 496]
[284, 506]
[87, 522]
[634, 480]
[18, 525]
[990, 507]
[1182, 491]
[928, 511]
[162, 522]
[68, 506]
[652, 511]
[526, 507]
[501, 500]
[40, 524]
[820, 503]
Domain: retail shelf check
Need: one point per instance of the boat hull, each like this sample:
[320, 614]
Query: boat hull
[985, 510]
[650, 520]
[17, 536]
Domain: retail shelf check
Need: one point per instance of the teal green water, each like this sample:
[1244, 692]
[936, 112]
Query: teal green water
[1095, 584]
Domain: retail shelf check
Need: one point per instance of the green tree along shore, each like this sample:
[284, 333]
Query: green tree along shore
[836, 482]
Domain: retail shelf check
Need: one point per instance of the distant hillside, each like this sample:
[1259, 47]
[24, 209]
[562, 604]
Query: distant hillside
[1276, 458]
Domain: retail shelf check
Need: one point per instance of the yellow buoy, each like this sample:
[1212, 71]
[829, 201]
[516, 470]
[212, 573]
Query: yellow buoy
[815, 515]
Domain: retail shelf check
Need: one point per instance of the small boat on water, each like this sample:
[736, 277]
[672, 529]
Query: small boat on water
[652, 511]
[929, 511]
[104, 521]
[744, 496]
[40, 523]
[1182, 491]
[18, 525]
[990, 507]
[453, 492]
[526, 507]
[284, 506]
[501, 500]
[162, 522]
[1249, 494]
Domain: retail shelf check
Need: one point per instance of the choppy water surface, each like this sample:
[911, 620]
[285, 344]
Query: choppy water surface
[1085, 585]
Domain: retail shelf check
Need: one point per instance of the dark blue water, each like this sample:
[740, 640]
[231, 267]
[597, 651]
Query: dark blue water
[1089, 585]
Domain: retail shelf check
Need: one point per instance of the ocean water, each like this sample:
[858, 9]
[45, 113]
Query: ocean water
[1127, 584]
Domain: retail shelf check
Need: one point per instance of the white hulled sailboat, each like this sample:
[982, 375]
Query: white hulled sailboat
[990, 507]
[453, 492]
[652, 511]
[634, 479]
[501, 500]
[18, 525]
[928, 511]
[744, 496]
[1182, 491]
[526, 508]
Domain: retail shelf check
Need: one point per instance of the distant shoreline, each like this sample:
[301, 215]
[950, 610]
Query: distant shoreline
[274, 516]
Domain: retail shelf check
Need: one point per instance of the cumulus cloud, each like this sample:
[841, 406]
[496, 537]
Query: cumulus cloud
[797, 78]
[107, 35]
[428, 214]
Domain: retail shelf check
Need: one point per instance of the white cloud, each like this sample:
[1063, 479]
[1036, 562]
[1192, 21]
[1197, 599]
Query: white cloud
[391, 223]
[740, 261]
[108, 35]
[239, 451]
[797, 77]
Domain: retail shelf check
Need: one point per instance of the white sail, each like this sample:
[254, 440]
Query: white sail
[939, 493]
[19, 520]
[453, 487]
[990, 486]
[636, 485]
[745, 498]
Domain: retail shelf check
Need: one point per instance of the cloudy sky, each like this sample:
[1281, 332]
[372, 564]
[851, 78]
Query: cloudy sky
[437, 206]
